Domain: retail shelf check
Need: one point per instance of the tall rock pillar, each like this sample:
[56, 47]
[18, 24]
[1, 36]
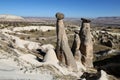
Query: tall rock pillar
[86, 46]
[63, 51]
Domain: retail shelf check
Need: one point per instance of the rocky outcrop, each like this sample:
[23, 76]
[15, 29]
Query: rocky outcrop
[50, 56]
[63, 51]
[86, 46]
[75, 47]
[100, 75]
[107, 38]
[108, 43]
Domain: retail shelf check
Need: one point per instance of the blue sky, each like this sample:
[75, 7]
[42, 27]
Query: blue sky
[71, 8]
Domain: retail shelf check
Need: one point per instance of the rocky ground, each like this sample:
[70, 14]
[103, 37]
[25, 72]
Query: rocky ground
[25, 58]
[24, 54]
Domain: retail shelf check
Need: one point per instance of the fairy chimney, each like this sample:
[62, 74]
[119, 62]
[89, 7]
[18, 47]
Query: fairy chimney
[75, 47]
[86, 46]
[63, 51]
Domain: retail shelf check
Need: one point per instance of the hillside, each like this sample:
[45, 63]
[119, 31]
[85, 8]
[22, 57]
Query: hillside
[7, 17]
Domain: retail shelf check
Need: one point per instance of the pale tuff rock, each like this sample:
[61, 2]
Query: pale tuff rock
[75, 47]
[45, 47]
[6, 17]
[50, 56]
[103, 75]
[17, 58]
[31, 59]
[23, 43]
[76, 52]
[28, 28]
[63, 51]
[86, 46]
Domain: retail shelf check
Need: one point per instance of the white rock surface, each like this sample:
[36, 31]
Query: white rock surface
[51, 57]
[23, 43]
[23, 59]
[29, 58]
[10, 17]
[10, 67]
[103, 75]
[41, 28]
[45, 47]
[10, 71]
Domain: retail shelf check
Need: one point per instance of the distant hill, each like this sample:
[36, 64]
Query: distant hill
[7, 17]
[114, 21]
[100, 21]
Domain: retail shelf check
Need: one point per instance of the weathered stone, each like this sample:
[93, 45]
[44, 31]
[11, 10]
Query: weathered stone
[86, 46]
[50, 56]
[106, 42]
[91, 75]
[85, 20]
[75, 47]
[109, 43]
[63, 51]
[59, 16]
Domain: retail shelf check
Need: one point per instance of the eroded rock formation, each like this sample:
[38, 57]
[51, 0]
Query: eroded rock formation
[86, 46]
[63, 51]
[75, 47]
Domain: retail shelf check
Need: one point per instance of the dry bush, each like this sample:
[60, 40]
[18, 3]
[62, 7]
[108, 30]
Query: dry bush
[37, 38]
[28, 37]
[32, 30]
[22, 37]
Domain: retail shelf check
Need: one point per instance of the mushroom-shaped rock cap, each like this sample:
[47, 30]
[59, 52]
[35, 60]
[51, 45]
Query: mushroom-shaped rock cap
[59, 16]
[85, 20]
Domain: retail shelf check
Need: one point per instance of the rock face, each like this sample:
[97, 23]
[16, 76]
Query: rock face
[63, 51]
[108, 43]
[86, 46]
[100, 75]
[106, 38]
[75, 47]
[50, 56]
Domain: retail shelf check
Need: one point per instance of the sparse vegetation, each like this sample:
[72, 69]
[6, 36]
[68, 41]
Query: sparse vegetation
[49, 37]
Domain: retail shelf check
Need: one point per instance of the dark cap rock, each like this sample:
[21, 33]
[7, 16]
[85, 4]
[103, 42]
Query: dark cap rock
[85, 20]
[59, 16]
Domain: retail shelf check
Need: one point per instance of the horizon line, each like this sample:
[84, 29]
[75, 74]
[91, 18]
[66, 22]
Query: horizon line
[54, 17]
